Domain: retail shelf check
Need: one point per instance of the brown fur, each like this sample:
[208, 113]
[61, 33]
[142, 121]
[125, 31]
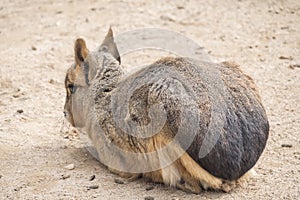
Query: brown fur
[96, 76]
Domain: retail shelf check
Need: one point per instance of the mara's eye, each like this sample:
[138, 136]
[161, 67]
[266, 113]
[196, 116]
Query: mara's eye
[72, 88]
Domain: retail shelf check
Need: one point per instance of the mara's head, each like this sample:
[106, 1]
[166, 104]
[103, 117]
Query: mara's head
[81, 74]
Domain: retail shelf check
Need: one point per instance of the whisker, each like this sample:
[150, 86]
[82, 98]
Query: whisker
[62, 125]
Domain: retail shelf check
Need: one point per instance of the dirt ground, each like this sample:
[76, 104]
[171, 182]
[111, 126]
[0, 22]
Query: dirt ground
[36, 49]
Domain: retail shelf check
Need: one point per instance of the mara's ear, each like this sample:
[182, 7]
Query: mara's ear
[81, 71]
[110, 46]
[80, 50]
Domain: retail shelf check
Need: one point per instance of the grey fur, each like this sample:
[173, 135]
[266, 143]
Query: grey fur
[215, 108]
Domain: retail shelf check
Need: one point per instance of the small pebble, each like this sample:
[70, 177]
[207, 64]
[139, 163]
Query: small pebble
[149, 188]
[262, 59]
[294, 66]
[51, 81]
[51, 65]
[65, 176]
[66, 136]
[287, 145]
[70, 166]
[119, 181]
[284, 27]
[20, 111]
[286, 57]
[167, 18]
[93, 187]
[92, 178]
[33, 48]
[149, 198]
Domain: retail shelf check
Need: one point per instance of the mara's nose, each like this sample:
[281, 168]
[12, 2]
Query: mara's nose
[65, 113]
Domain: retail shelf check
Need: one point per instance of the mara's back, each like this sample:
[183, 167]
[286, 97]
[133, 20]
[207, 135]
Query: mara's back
[227, 124]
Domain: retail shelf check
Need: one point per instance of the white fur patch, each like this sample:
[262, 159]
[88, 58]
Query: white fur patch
[170, 173]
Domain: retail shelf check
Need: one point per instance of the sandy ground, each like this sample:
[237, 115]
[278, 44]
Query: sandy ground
[36, 49]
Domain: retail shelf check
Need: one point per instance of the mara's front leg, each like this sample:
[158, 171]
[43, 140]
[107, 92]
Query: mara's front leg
[129, 177]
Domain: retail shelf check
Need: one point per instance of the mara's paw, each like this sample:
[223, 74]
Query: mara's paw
[191, 186]
[126, 176]
[212, 183]
[228, 186]
[127, 179]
